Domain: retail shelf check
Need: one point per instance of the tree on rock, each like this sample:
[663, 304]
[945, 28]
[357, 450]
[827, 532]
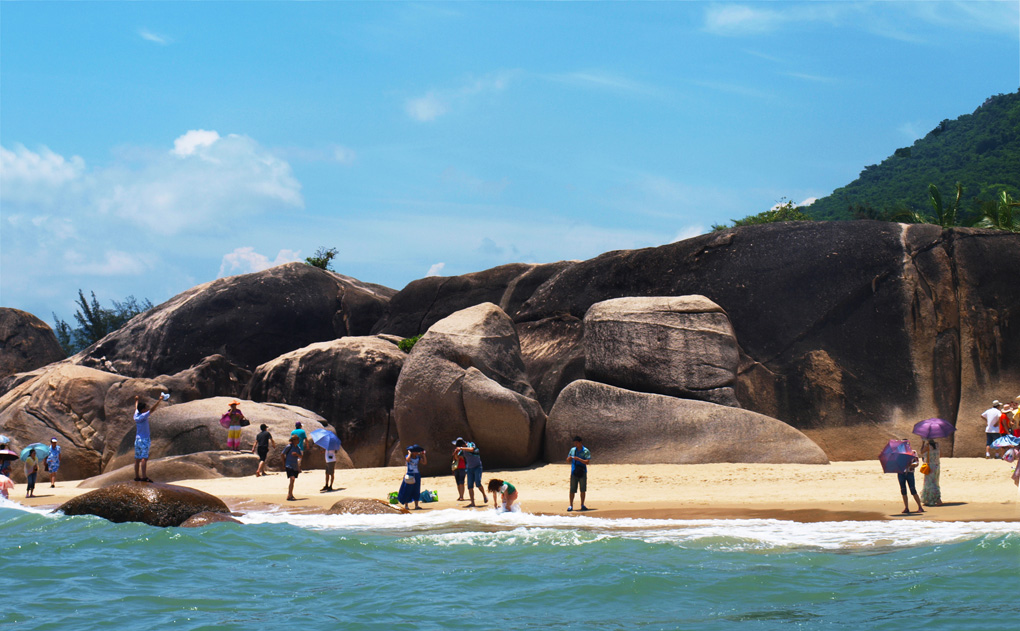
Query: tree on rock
[95, 321]
[322, 258]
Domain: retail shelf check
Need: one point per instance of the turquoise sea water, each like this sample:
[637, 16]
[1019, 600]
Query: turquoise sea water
[449, 569]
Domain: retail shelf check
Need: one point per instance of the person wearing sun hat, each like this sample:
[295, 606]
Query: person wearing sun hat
[53, 461]
[234, 427]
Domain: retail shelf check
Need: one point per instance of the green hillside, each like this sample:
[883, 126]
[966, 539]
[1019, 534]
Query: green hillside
[981, 151]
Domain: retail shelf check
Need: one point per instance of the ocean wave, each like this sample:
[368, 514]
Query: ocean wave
[490, 528]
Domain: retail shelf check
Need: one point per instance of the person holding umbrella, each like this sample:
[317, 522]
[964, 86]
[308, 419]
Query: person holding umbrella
[31, 470]
[6, 455]
[906, 478]
[330, 443]
[897, 457]
[929, 430]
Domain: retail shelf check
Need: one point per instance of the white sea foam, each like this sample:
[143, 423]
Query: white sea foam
[456, 527]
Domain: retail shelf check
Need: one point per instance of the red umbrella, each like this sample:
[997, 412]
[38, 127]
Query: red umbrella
[933, 428]
[896, 457]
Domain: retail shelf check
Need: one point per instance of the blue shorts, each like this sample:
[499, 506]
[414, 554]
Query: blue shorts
[474, 477]
[142, 447]
[906, 479]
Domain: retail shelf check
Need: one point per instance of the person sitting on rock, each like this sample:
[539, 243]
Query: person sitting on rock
[142, 436]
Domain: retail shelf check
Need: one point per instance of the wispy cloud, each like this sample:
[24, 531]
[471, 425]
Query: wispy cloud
[155, 38]
[601, 80]
[810, 77]
[436, 269]
[438, 102]
[894, 20]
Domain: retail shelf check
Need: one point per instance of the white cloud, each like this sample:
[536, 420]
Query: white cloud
[246, 260]
[113, 263]
[203, 181]
[35, 178]
[688, 233]
[155, 38]
[436, 269]
[808, 201]
[426, 108]
[194, 139]
[436, 102]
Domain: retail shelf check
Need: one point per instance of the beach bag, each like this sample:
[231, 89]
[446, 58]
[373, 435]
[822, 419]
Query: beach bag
[429, 496]
[409, 479]
[925, 469]
[393, 497]
[453, 465]
[244, 422]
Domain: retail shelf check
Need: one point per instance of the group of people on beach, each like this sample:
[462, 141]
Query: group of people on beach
[50, 462]
[1001, 420]
[466, 465]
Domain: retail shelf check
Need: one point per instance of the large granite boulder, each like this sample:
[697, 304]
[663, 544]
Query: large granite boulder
[214, 376]
[839, 323]
[626, 427]
[248, 319]
[423, 302]
[553, 354]
[189, 428]
[203, 465]
[350, 382]
[200, 520]
[150, 503]
[465, 377]
[26, 342]
[681, 346]
[90, 411]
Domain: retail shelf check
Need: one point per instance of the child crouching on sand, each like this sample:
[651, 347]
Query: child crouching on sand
[507, 492]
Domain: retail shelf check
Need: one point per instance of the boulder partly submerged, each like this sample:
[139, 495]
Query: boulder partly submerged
[362, 506]
[626, 427]
[204, 519]
[155, 504]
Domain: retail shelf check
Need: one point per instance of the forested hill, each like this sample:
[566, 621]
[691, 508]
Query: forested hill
[981, 151]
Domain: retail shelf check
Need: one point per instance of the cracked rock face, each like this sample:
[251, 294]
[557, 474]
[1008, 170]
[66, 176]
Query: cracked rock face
[681, 346]
[26, 342]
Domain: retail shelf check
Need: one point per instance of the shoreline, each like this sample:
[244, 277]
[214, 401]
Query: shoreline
[974, 489]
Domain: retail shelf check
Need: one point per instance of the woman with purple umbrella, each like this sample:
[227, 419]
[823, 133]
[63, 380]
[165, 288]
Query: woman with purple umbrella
[931, 494]
[929, 430]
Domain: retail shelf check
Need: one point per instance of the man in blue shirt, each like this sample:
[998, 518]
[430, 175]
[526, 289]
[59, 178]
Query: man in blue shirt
[578, 459]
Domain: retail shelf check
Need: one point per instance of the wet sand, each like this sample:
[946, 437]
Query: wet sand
[973, 489]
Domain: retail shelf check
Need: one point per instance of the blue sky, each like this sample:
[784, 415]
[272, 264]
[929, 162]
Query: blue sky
[150, 147]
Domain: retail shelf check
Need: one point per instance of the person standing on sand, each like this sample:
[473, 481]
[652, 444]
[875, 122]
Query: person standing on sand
[142, 436]
[459, 467]
[234, 426]
[410, 488]
[292, 465]
[473, 468]
[931, 494]
[578, 458]
[31, 470]
[301, 434]
[53, 462]
[991, 416]
[506, 491]
[330, 470]
[262, 442]
[906, 479]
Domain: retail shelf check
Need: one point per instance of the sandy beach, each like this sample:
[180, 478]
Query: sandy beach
[973, 489]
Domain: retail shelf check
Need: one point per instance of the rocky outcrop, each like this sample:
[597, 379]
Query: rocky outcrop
[26, 343]
[465, 377]
[150, 503]
[203, 465]
[205, 519]
[214, 376]
[248, 319]
[626, 427]
[350, 382]
[423, 302]
[189, 428]
[679, 346]
[360, 506]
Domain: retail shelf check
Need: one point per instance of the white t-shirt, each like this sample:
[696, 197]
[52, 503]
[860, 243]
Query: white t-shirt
[992, 417]
[331, 455]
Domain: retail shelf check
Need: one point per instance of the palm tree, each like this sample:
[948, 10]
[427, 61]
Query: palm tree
[1004, 216]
